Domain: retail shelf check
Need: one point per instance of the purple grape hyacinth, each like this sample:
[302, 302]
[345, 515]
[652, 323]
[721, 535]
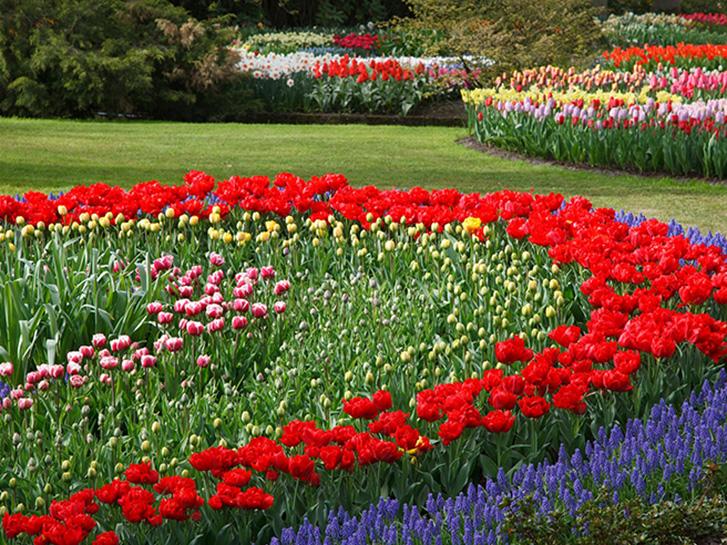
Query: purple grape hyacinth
[659, 459]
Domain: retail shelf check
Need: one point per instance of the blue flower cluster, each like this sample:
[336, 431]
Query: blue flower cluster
[654, 460]
[4, 390]
[693, 234]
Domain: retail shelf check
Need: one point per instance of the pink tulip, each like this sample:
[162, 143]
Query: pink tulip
[186, 291]
[139, 353]
[128, 365]
[244, 290]
[259, 310]
[87, 351]
[33, 377]
[7, 403]
[109, 362]
[180, 304]
[282, 287]
[122, 343]
[267, 272]
[193, 308]
[164, 263]
[73, 369]
[160, 342]
[183, 324]
[57, 371]
[6, 369]
[105, 378]
[77, 381]
[43, 385]
[216, 259]
[217, 298]
[241, 305]
[99, 340]
[203, 361]
[195, 329]
[195, 271]
[279, 307]
[239, 322]
[148, 361]
[154, 308]
[252, 273]
[74, 357]
[17, 393]
[165, 317]
[216, 325]
[209, 289]
[214, 311]
[25, 403]
[216, 278]
[174, 344]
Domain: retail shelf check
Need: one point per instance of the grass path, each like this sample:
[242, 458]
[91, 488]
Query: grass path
[50, 155]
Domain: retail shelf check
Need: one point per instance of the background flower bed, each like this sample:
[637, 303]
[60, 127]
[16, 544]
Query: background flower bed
[622, 117]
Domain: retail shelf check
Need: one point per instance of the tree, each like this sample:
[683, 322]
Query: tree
[78, 58]
[673, 6]
[510, 34]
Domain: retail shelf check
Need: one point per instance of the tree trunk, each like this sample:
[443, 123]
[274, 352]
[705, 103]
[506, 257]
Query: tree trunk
[672, 6]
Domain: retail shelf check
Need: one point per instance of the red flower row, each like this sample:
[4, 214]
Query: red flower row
[389, 69]
[707, 18]
[362, 41]
[667, 54]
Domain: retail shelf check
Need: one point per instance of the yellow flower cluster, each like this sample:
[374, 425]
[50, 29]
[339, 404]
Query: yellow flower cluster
[561, 96]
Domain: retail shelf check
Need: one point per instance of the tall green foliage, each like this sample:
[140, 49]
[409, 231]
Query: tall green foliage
[513, 34]
[296, 13]
[78, 58]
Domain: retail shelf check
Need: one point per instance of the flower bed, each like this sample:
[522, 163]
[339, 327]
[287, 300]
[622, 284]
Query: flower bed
[348, 343]
[603, 129]
[318, 80]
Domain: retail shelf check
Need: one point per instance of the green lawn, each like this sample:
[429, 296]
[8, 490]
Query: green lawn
[45, 155]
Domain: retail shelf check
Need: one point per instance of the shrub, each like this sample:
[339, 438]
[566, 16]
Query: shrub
[79, 58]
[515, 34]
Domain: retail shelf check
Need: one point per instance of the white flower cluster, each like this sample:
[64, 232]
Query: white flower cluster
[276, 66]
[288, 40]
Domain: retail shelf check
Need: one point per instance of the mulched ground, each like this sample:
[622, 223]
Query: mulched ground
[442, 114]
[472, 143]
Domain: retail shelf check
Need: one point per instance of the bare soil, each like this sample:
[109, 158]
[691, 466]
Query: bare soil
[472, 143]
